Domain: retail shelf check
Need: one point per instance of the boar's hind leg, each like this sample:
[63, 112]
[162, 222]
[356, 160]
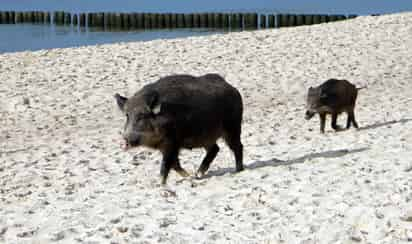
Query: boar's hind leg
[210, 156]
[322, 118]
[334, 121]
[351, 119]
[232, 139]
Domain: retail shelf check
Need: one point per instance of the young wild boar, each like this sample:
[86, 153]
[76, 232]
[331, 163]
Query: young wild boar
[183, 111]
[332, 97]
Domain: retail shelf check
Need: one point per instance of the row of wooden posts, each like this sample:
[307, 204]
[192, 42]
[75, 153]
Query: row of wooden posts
[127, 21]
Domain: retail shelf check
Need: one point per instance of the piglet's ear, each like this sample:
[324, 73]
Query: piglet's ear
[121, 101]
[157, 108]
[323, 94]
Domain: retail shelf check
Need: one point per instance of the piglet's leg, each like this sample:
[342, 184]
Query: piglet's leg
[334, 122]
[322, 118]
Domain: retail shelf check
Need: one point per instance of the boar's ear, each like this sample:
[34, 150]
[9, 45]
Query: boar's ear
[121, 101]
[323, 94]
[152, 102]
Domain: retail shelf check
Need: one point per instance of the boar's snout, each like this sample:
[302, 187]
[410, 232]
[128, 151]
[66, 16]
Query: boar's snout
[309, 114]
[132, 139]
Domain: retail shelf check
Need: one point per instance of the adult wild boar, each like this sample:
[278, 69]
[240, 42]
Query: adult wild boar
[332, 97]
[183, 111]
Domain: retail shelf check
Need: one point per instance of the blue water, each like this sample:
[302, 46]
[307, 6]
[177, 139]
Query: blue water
[34, 37]
[22, 37]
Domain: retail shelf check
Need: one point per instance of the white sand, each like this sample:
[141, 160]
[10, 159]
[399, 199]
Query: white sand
[63, 176]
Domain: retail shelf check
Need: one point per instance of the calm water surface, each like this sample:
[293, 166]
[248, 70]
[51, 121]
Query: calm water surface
[22, 37]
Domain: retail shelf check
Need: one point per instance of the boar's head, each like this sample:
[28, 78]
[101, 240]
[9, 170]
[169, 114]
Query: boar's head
[141, 111]
[315, 101]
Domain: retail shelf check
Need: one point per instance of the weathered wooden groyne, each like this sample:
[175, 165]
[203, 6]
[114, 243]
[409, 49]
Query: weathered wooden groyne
[130, 21]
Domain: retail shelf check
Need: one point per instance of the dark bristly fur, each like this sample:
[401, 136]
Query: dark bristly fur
[183, 111]
[332, 97]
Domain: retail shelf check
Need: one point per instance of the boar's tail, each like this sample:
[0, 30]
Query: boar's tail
[360, 88]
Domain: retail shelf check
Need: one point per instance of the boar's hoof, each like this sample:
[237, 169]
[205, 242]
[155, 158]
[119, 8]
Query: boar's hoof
[200, 174]
[183, 173]
[338, 128]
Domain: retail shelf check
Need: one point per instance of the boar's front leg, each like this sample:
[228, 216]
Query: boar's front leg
[322, 117]
[170, 157]
[171, 160]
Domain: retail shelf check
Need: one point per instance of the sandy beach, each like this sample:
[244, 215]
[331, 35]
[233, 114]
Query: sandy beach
[65, 179]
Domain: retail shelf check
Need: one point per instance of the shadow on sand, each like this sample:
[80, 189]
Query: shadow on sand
[377, 125]
[276, 162]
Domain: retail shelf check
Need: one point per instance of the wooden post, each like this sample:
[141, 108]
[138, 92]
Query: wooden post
[35, 17]
[117, 24]
[332, 18]
[147, 18]
[278, 20]
[168, 20]
[292, 20]
[323, 18]
[247, 21]
[250, 21]
[196, 21]
[300, 20]
[203, 20]
[188, 20]
[12, 17]
[47, 17]
[4, 18]
[284, 20]
[25, 17]
[58, 17]
[308, 19]
[225, 21]
[108, 20]
[89, 18]
[140, 21]
[75, 22]
[271, 21]
[19, 17]
[235, 21]
[210, 20]
[100, 20]
[67, 18]
[218, 20]
[161, 21]
[41, 17]
[153, 21]
[174, 20]
[32, 16]
[180, 21]
[132, 21]
[125, 21]
[82, 20]
[341, 17]
[316, 19]
[262, 21]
